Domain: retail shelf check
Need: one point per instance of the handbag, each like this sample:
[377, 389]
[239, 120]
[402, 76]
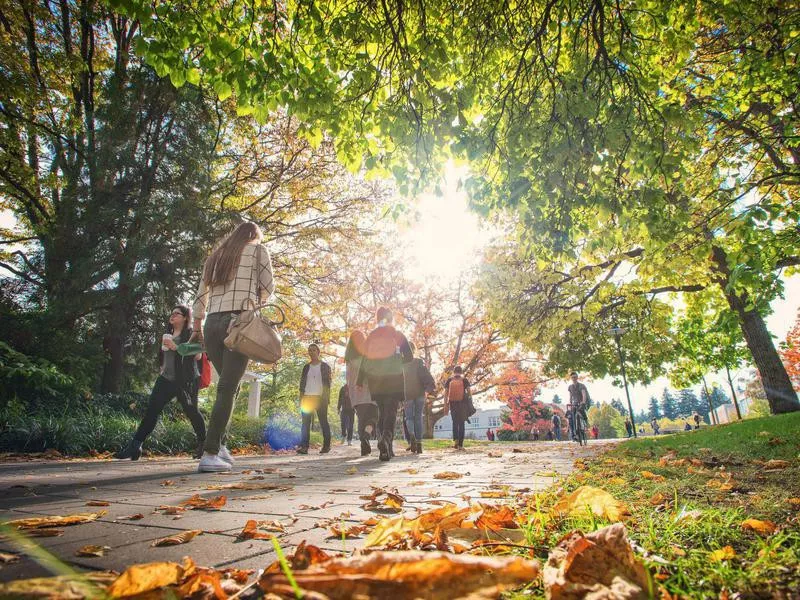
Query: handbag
[205, 372]
[254, 335]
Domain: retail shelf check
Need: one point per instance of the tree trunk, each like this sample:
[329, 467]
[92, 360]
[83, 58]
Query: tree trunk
[118, 324]
[780, 394]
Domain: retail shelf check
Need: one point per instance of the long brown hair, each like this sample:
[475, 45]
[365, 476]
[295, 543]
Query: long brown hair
[221, 265]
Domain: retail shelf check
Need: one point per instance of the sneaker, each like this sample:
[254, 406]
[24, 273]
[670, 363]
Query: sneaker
[302, 450]
[365, 448]
[133, 451]
[349, 442]
[325, 449]
[383, 450]
[212, 463]
[225, 455]
[419, 448]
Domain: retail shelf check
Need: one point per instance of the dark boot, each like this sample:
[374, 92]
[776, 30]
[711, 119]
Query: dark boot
[302, 450]
[365, 447]
[383, 449]
[419, 447]
[326, 447]
[133, 451]
[412, 443]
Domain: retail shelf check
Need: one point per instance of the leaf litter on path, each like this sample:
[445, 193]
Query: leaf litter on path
[55, 521]
[588, 500]
[183, 537]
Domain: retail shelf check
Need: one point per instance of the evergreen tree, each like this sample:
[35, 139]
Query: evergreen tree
[718, 397]
[687, 402]
[669, 406]
[617, 404]
[557, 399]
[654, 411]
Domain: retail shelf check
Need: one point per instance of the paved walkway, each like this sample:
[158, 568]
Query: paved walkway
[311, 490]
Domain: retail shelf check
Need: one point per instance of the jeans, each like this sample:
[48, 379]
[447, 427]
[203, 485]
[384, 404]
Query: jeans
[231, 367]
[367, 417]
[347, 417]
[457, 414]
[163, 391]
[413, 411]
[557, 432]
[387, 413]
[322, 415]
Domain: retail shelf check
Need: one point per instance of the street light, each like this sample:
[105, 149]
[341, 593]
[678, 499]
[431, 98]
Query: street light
[617, 332]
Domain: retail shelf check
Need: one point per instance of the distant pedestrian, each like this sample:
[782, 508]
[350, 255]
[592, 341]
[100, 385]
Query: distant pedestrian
[628, 428]
[382, 368]
[656, 427]
[346, 414]
[360, 399]
[456, 389]
[595, 431]
[687, 427]
[535, 434]
[549, 435]
[418, 382]
[696, 418]
[557, 426]
[315, 393]
[178, 378]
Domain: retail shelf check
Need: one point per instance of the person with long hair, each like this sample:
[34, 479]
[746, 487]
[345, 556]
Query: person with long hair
[178, 378]
[382, 368]
[239, 269]
[360, 398]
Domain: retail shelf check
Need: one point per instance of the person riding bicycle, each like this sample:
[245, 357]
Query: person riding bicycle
[579, 399]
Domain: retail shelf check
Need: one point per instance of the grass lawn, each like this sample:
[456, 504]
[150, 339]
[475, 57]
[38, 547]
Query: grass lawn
[689, 495]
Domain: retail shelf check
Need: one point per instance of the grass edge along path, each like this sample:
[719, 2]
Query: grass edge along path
[715, 513]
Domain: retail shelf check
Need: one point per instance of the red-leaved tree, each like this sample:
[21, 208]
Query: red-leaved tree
[790, 353]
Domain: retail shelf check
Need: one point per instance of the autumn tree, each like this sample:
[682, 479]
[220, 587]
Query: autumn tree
[519, 391]
[790, 353]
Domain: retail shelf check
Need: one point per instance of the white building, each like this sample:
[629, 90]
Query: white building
[726, 413]
[475, 429]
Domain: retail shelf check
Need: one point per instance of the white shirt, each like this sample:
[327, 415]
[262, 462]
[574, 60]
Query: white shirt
[314, 380]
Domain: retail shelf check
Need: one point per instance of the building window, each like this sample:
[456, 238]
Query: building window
[494, 421]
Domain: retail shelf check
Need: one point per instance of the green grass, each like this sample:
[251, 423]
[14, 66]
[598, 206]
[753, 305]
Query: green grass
[680, 549]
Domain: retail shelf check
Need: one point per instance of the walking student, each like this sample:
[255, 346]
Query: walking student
[456, 389]
[346, 414]
[360, 398]
[418, 382]
[382, 369]
[239, 269]
[557, 426]
[315, 393]
[179, 378]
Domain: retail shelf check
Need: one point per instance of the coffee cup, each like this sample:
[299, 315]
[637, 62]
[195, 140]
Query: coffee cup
[164, 338]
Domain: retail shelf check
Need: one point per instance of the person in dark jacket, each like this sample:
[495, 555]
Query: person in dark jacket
[346, 414]
[315, 394]
[387, 350]
[179, 378]
[418, 383]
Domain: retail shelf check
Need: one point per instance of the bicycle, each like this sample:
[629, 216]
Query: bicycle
[579, 429]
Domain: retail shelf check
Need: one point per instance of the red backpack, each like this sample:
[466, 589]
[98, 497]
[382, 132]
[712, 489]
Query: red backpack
[205, 372]
[455, 390]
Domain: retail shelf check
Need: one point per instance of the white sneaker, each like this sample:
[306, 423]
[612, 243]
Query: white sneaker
[225, 455]
[212, 463]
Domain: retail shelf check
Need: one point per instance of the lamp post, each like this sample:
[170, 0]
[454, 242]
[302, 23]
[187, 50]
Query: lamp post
[617, 333]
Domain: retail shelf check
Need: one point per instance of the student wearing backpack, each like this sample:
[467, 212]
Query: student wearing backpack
[178, 378]
[456, 389]
[418, 382]
[360, 398]
[387, 350]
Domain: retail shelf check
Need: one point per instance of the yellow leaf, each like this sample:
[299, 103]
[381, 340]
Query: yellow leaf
[794, 502]
[776, 465]
[92, 551]
[352, 471]
[651, 476]
[448, 475]
[39, 522]
[138, 579]
[724, 553]
[80, 585]
[587, 499]
[179, 538]
[762, 527]
[617, 481]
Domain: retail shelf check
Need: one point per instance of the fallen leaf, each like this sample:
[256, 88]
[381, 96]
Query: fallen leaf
[197, 502]
[98, 503]
[408, 575]
[200, 582]
[599, 565]
[138, 579]
[92, 551]
[794, 502]
[179, 538]
[689, 515]
[135, 517]
[7, 557]
[238, 575]
[724, 553]
[45, 532]
[411, 471]
[241, 485]
[617, 481]
[257, 530]
[651, 476]
[167, 482]
[587, 499]
[493, 454]
[776, 465]
[339, 530]
[448, 475]
[493, 494]
[352, 471]
[63, 587]
[659, 499]
[58, 521]
[762, 527]
[171, 510]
